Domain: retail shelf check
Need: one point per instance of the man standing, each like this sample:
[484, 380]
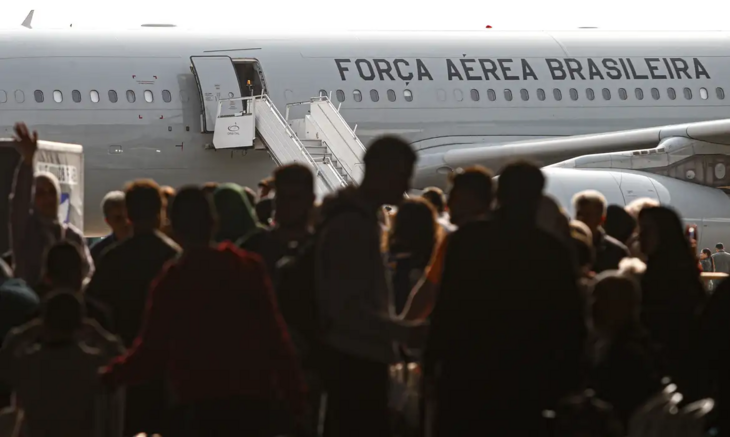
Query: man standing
[590, 208]
[722, 261]
[115, 215]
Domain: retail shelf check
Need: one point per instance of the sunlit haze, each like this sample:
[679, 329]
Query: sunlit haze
[323, 15]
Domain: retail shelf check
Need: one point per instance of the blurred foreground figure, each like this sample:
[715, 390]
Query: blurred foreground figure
[508, 326]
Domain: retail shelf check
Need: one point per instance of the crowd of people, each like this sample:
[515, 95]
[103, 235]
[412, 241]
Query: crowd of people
[226, 312]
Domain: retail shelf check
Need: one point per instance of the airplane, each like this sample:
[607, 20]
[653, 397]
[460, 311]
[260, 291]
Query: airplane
[140, 106]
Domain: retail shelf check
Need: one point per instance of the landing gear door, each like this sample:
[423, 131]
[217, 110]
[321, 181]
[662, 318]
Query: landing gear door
[216, 78]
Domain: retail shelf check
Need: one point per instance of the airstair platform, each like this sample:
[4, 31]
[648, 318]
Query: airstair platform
[322, 140]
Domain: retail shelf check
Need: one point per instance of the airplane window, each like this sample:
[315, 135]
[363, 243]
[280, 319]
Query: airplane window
[4, 96]
[148, 97]
[573, 94]
[57, 96]
[540, 94]
[524, 94]
[131, 98]
[374, 96]
[323, 93]
[458, 95]
[340, 96]
[655, 93]
[703, 93]
[622, 94]
[639, 94]
[391, 95]
[76, 96]
[408, 95]
[491, 95]
[19, 96]
[357, 95]
[606, 94]
[167, 97]
[590, 94]
[38, 96]
[475, 95]
[688, 94]
[508, 95]
[558, 94]
[113, 96]
[94, 96]
[671, 93]
[720, 171]
[720, 93]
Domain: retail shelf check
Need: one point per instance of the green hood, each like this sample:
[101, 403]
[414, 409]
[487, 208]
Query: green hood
[236, 216]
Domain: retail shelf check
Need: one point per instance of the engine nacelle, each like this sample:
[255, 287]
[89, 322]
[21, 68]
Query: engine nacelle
[708, 208]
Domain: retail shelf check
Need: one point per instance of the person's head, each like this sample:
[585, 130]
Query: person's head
[414, 228]
[582, 240]
[619, 224]
[234, 213]
[590, 208]
[661, 232]
[265, 187]
[719, 247]
[209, 188]
[634, 208]
[471, 195]
[62, 313]
[294, 188]
[115, 213]
[705, 253]
[616, 302]
[435, 196]
[265, 210]
[389, 164]
[192, 217]
[144, 204]
[519, 189]
[47, 197]
[64, 266]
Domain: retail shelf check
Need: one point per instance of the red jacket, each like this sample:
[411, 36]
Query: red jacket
[214, 329]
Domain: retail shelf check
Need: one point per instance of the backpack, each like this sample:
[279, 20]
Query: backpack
[297, 293]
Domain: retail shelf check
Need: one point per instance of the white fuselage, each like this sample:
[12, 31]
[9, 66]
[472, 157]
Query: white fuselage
[440, 90]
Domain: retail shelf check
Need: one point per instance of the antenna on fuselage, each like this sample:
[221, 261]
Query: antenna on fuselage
[28, 19]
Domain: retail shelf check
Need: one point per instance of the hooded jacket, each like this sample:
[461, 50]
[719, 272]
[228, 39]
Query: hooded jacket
[353, 289]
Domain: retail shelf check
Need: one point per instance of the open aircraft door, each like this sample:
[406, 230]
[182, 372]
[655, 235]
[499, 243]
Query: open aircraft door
[217, 80]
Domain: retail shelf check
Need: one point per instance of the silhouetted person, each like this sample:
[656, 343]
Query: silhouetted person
[412, 241]
[625, 371]
[721, 259]
[470, 199]
[619, 224]
[115, 215]
[34, 223]
[209, 188]
[437, 198]
[168, 195]
[706, 261]
[236, 218]
[354, 294]
[213, 327]
[122, 282]
[52, 363]
[250, 195]
[265, 211]
[502, 314]
[672, 294]
[590, 208]
[294, 190]
[19, 302]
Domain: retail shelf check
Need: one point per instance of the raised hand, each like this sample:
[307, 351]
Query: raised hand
[25, 143]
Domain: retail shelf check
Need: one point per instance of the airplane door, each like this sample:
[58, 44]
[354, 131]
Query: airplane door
[216, 78]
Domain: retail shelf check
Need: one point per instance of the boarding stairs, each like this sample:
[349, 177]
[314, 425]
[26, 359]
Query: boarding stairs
[321, 140]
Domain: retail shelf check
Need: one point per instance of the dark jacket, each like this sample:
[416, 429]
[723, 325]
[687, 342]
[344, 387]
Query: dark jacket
[100, 246]
[511, 338]
[609, 252]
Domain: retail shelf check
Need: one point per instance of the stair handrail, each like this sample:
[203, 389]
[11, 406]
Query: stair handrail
[332, 152]
[342, 119]
[265, 98]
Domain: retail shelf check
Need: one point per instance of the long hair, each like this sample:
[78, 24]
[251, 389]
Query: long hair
[415, 229]
[709, 256]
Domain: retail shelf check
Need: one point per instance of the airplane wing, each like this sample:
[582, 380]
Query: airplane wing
[28, 19]
[553, 150]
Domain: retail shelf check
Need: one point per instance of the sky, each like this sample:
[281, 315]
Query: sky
[375, 14]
